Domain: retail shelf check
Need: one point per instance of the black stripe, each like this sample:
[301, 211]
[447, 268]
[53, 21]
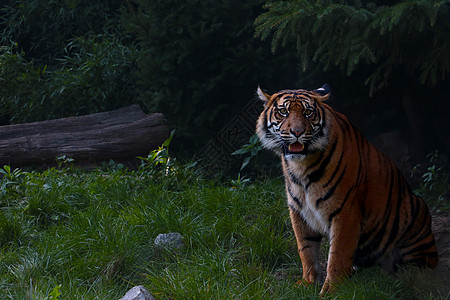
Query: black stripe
[366, 236]
[342, 121]
[271, 123]
[331, 190]
[295, 179]
[265, 120]
[432, 254]
[395, 225]
[304, 248]
[295, 209]
[420, 248]
[418, 238]
[338, 166]
[361, 155]
[413, 214]
[316, 238]
[414, 223]
[318, 174]
[372, 248]
[337, 211]
[296, 199]
[314, 164]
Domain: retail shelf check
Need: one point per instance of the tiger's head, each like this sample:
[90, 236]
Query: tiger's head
[293, 121]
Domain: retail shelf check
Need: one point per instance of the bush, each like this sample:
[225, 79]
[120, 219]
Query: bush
[434, 188]
[42, 28]
[95, 75]
[63, 58]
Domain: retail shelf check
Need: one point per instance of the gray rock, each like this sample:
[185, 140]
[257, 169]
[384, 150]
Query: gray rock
[172, 240]
[138, 293]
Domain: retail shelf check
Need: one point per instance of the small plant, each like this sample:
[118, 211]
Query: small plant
[250, 150]
[55, 293]
[240, 182]
[434, 188]
[112, 166]
[64, 161]
[158, 158]
[11, 179]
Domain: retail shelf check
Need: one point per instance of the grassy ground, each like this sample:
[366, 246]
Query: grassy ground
[89, 235]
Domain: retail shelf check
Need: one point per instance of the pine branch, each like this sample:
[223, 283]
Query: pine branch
[348, 34]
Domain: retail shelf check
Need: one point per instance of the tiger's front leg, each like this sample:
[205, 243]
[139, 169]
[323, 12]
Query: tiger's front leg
[343, 242]
[308, 243]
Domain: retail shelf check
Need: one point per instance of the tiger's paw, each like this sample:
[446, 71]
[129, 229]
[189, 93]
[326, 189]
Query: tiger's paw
[304, 282]
[327, 288]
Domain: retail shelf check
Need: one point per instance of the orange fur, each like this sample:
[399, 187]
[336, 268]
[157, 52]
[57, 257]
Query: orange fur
[340, 186]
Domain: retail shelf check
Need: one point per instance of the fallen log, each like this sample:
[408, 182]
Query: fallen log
[119, 134]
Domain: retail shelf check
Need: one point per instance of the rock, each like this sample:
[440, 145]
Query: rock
[138, 293]
[172, 240]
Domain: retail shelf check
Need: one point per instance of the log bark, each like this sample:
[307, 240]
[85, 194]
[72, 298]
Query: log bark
[119, 134]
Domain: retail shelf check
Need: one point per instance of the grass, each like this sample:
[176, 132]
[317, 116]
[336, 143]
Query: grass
[89, 235]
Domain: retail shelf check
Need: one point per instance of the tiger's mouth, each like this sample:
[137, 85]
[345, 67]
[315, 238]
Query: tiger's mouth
[295, 148]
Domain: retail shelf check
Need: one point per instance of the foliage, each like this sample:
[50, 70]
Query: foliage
[412, 35]
[251, 150]
[239, 182]
[158, 160]
[434, 188]
[42, 28]
[55, 293]
[199, 62]
[19, 79]
[63, 58]
[95, 75]
[196, 61]
[11, 179]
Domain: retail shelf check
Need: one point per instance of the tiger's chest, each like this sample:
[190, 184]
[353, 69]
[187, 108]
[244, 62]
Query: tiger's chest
[304, 202]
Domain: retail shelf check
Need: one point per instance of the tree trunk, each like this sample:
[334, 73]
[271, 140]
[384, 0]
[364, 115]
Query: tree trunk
[120, 134]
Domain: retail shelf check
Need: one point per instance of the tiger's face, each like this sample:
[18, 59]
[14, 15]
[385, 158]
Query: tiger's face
[293, 122]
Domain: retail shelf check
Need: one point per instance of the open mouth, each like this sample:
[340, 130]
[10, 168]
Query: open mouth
[295, 148]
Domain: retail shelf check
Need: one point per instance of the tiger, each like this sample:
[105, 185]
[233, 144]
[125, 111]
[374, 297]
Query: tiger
[341, 187]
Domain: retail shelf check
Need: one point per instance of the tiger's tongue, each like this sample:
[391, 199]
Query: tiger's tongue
[296, 147]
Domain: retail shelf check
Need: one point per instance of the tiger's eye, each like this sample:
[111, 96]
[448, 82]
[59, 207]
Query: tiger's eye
[283, 111]
[308, 112]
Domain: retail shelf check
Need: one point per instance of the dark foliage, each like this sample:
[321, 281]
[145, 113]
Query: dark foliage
[63, 58]
[199, 63]
[395, 51]
[411, 35]
[42, 28]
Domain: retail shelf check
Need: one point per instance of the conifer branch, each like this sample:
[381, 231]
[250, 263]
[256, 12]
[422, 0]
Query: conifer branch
[348, 34]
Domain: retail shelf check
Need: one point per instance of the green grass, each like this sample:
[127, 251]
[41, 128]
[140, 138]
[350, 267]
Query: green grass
[89, 235]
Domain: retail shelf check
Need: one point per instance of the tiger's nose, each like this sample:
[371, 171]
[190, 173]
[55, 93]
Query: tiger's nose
[297, 131]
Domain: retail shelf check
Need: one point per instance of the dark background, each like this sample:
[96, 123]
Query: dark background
[200, 62]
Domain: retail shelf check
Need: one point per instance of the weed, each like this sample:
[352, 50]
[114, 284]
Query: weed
[249, 150]
[239, 182]
[55, 293]
[158, 160]
[11, 180]
[434, 188]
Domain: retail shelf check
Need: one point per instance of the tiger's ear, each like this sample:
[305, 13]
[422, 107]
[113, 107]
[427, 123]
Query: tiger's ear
[263, 96]
[324, 92]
